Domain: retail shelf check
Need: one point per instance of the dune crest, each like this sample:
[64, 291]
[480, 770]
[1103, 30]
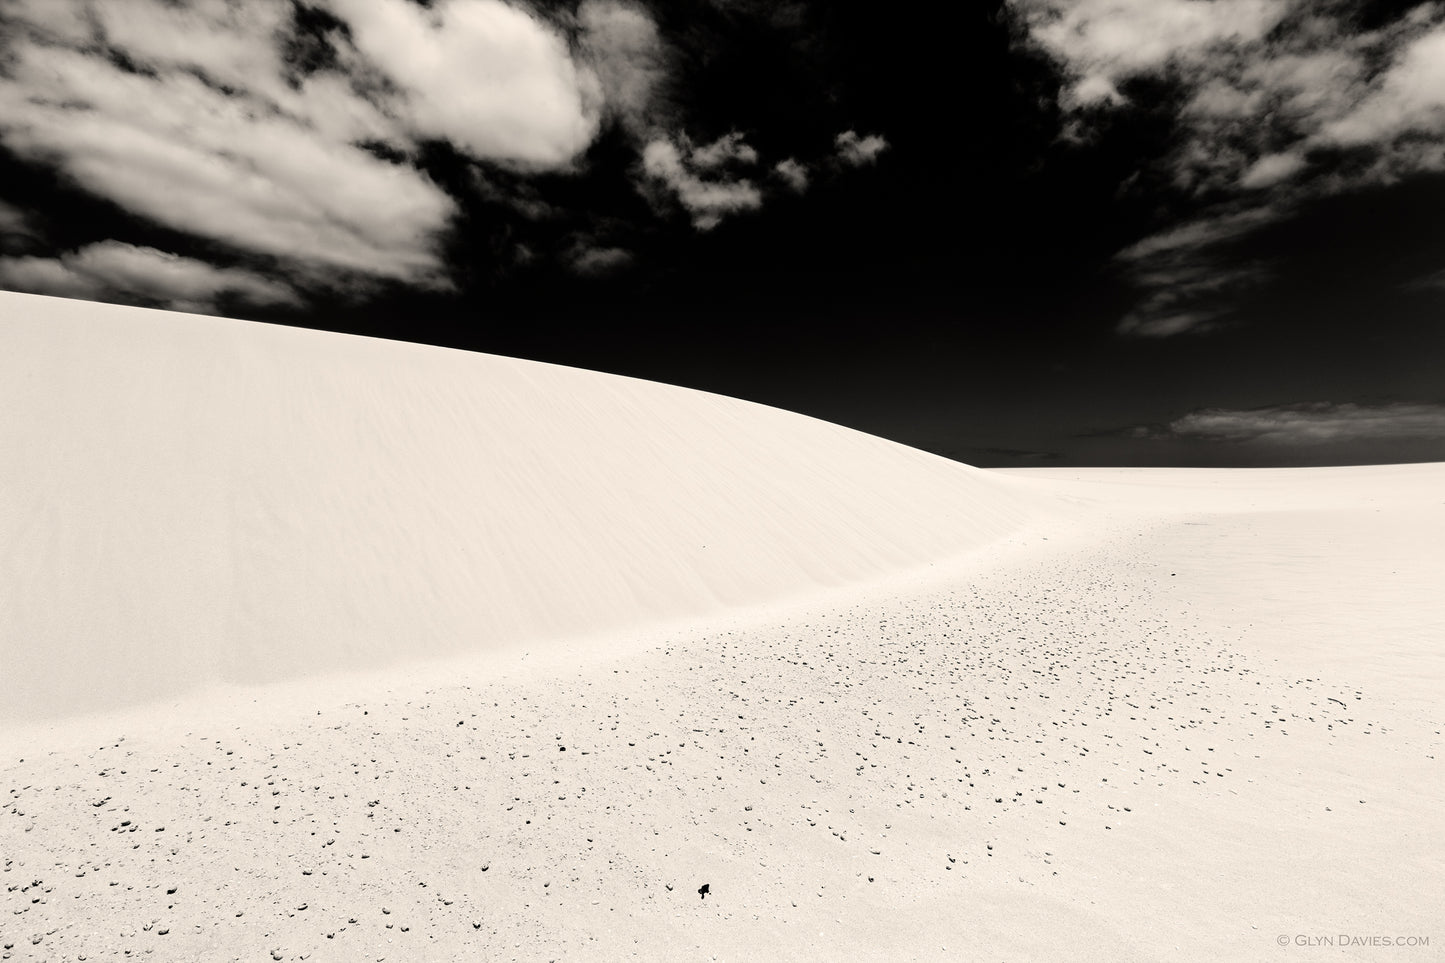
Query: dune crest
[189, 500]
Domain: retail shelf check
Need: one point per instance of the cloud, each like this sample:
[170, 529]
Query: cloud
[1147, 321]
[16, 231]
[489, 77]
[708, 201]
[1103, 42]
[210, 151]
[1277, 95]
[1270, 169]
[1186, 282]
[12, 219]
[300, 134]
[793, 173]
[1185, 288]
[857, 150]
[621, 44]
[1203, 232]
[599, 261]
[1410, 98]
[726, 149]
[1318, 423]
[1435, 281]
[113, 270]
[200, 116]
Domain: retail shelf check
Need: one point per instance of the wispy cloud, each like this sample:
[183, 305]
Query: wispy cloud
[707, 199]
[1206, 231]
[1319, 423]
[620, 43]
[111, 269]
[1277, 95]
[1430, 282]
[1183, 287]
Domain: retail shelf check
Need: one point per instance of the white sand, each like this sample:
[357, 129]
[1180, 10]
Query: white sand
[514, 708]
[187, 501]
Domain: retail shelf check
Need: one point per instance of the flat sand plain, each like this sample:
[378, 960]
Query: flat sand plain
[1093, 714]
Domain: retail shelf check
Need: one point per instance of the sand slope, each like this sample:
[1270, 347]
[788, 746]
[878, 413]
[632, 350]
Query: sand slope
[188, 500]
[1122, 715]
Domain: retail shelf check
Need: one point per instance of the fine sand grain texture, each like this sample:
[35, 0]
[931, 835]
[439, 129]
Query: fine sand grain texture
[324, 648]
[188, 501]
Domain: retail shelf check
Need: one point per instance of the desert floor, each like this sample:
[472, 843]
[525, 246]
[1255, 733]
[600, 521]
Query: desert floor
[1199, 717]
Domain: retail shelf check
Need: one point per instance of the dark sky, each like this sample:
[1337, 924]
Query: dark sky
[1035, 232]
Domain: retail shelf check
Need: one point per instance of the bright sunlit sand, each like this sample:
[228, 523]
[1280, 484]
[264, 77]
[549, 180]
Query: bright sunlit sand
[320, 647]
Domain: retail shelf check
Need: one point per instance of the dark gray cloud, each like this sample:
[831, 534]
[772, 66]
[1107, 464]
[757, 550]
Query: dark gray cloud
[1311, 424]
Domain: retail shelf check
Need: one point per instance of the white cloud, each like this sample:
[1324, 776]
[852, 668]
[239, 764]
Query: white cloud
[1219, 99]
[113, 269]
[177, 151]
[487, 76]
[708, 201]
[857, 150]
[793, 173]
[1305, 87]
[44, 275]
[1271, 169]
[1203, 232]
[1104, 42]
[1409, 99]
[282, 179]
[1096, 89]
[215, 134]
[1273, 90]
[1315, 424]
[54, 22]
[236, 46]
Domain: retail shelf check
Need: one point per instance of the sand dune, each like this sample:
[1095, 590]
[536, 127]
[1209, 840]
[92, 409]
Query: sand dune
[897, 709]
[187, 501]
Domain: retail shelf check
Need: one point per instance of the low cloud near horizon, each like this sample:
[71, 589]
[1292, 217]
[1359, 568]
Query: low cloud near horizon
[1309, 424]
[143, 275]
